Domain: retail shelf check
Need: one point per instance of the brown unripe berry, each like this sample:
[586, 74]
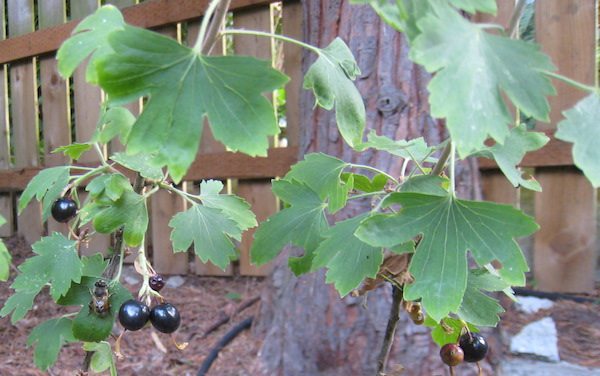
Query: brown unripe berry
[452, 354]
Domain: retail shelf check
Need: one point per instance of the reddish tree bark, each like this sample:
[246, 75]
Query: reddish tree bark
[308, 329]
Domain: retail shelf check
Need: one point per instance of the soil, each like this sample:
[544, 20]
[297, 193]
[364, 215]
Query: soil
[202, 302]
[205, 301]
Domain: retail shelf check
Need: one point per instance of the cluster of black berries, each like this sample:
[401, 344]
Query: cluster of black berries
[471, 347]
[134, 315]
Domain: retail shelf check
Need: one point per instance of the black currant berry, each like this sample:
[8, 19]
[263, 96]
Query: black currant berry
[157, 282]
[165, 318]
[452, 354]
[474, 346]
[133, 315]
[63, 209]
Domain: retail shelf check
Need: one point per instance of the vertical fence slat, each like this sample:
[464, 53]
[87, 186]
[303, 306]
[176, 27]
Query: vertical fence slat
[256, 192]
[24, 119]
[208, 144]
[86, 104]
[6, 199]
[564, 249]
[292, 66]
[56, 113]
[163, 207]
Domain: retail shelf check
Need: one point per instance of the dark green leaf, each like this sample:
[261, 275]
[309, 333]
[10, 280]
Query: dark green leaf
[103, 358]
[234, 207]
[50, 336]
[302, 224]
[210, 230]
[90, 37]
[183, 87]
[141, 163]
[115, 121]
[450, 227]
[129, 212]
[93, 266]
[73, 150]
[364, 184]
[449, 332]
[510, 154]
[427, 184]
[330, 78]
[47, 185]
[322, 173]
[348, 260]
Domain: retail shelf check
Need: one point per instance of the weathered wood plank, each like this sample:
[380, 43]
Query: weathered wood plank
[565, 249]
[6, 200]
[219, 165]
[86, 103]
[56, 107]
[149, 14]
[258, 193]
[24, 114]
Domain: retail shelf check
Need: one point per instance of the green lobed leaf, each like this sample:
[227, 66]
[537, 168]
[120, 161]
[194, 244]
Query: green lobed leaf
[322, 173]
[472, 67]
[46, 187]
[103, 358]
[50, 336]
[210, 230]
[302, 224]
[108, 188]
[94, 265]
[449, 332]
[74, 150]
[116, 121]
[363, 183]
[510, 154]
[478, 308]
[234, 207]
[415, 150]
[190, 86]
[141, 163]
[427, 184]
[90, 37]
[128, 211]
[580, 127]
[57, 263]
[331, 79]
[348, 260]
[450, 227]
[88, 326]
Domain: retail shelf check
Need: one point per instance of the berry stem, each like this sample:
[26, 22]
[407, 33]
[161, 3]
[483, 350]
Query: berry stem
[390, 330]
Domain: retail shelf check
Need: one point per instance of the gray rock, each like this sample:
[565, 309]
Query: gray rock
[528, 367]
[538, 340]
[532, 304]
[174, 282]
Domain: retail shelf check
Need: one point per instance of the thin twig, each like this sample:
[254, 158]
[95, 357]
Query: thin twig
[215, 26]
[390, 330]
[515, 17]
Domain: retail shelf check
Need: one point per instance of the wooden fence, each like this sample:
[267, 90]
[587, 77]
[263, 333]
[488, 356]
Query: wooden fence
[40, 111]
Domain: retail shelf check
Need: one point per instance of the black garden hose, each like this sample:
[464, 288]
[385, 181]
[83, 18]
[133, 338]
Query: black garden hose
[552, 295]
[228, 337]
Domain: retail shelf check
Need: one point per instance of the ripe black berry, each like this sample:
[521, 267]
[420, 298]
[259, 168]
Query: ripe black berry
[63, 209]
[157, 282]
[474, 346]
[133, 315]
[452, 354]
[165, 318]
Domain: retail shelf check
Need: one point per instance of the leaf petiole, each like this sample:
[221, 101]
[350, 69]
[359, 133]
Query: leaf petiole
[204, 25]
[275, 36]
[569, 81]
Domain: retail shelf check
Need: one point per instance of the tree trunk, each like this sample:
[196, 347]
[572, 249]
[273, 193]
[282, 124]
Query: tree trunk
[308, 329]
